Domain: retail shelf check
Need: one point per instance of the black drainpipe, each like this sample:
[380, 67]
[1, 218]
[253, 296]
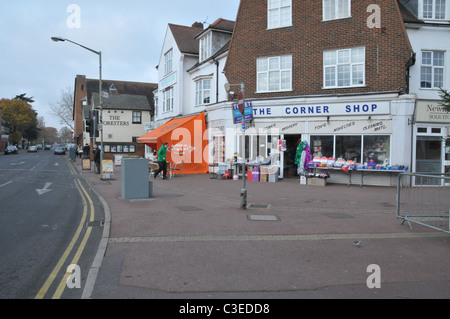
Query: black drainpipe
[217, 80]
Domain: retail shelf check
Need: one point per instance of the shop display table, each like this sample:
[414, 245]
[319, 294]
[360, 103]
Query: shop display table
[213, 173]
[353, 173]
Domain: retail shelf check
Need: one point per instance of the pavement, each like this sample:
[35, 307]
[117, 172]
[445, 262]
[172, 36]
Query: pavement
[191, 240]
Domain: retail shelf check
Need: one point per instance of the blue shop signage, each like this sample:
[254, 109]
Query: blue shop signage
[370, 108]
[248, 113]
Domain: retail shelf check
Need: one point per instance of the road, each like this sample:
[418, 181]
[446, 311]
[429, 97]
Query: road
[49, 219]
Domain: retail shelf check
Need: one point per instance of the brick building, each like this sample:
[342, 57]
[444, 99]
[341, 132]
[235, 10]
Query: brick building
[333, 73]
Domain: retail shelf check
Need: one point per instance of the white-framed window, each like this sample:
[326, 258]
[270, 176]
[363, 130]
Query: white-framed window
[205, 47]
[274, 73]
[168, 100]
[433, 9]
[432, 69]
[336, 9]
[168, 57]
[156, 100]
[203, 92]
[279, 13]
[344, 68]
[137, 117]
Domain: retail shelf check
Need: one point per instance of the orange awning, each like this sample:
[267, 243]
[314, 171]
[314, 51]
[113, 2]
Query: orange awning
[185, 136]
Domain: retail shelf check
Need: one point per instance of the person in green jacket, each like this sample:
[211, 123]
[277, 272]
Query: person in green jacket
[162, 153]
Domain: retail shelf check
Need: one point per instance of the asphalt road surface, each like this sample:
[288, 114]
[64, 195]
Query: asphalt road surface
[49, 220]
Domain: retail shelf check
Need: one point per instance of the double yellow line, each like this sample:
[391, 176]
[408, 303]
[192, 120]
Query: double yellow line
[86, 199]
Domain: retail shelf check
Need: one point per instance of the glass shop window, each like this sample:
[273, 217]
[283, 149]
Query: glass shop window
[322, 146]
[376, 148]
[349, 148]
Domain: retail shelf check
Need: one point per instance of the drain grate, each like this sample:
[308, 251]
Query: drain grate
[270, 218]
[338, 215]
[95, 223]
[260, 206]
[188, 208]
[169, 195]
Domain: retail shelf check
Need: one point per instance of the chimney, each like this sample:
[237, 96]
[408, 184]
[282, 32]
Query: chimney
[197, 25]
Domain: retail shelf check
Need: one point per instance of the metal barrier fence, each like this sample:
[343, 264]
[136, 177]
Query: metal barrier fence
[425, 203]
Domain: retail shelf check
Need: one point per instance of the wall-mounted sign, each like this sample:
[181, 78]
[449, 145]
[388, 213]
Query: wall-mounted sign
[168, 81]
[350, 127]
[356, 108]
[431, 111]
[115, 120]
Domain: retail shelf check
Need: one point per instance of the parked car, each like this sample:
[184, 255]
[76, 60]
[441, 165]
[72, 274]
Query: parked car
[32, 148]
[60, 151]
[11, 150]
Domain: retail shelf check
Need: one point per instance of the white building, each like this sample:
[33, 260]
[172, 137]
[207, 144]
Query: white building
[428, 26]
[191, 80]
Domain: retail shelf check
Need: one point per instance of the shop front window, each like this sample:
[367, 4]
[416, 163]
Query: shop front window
[256, 146]
[322, 146]
[376, 148]
[219, 149]
[349, 147]
[357, 148]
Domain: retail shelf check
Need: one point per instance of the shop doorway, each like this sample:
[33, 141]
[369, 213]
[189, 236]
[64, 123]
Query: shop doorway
[290, 169]
[428, 158]
[447, 158]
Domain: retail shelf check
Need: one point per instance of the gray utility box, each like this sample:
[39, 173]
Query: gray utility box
[135, 183]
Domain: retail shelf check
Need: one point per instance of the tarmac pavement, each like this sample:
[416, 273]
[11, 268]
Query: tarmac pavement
[192, 241]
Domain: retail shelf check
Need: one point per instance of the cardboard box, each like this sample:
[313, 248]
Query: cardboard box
[313, 181]
[273, 178]
[263, 177]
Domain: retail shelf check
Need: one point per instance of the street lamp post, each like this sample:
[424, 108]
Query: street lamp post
[99, 53]
[241, 103]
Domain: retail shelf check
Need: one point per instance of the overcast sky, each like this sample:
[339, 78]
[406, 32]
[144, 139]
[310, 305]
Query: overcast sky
[129, 33]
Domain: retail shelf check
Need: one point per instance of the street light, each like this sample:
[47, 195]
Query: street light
[99, 53]
[241, 104]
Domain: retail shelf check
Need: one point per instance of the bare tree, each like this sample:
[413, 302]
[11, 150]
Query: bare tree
[63, 108]
[65, 135]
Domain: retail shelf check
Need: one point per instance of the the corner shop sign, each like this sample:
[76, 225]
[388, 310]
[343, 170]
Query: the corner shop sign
[370, 108]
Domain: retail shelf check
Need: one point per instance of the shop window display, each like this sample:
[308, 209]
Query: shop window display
[219, 149]
[357, 148]
[349, 147]
[322, 146]
[377, 149]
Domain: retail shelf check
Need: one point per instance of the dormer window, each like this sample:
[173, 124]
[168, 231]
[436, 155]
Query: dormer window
[205, 47]
[432, 9]
[113, 89]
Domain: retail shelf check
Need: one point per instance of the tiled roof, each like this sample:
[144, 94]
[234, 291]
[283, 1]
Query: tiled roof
[220, 25]
[185, 37]
[124, 102]
[123, 88]
[408, 17]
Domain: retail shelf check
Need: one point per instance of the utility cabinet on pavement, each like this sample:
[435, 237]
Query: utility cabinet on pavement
[135, 183]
